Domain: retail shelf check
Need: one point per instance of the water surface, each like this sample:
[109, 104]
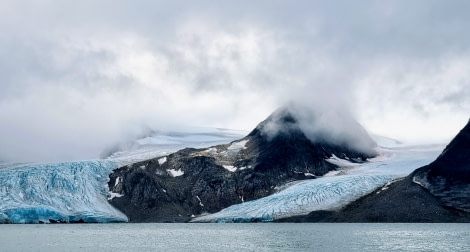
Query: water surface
[236, 237]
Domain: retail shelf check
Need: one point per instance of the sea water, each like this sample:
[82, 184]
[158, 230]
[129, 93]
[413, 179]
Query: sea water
[235, 237]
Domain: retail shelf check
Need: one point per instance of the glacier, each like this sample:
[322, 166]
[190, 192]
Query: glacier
[77, 191]
[350, 182]
[300, 198]
[57, 192]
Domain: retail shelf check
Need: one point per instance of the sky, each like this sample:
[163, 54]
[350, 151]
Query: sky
[79, 76]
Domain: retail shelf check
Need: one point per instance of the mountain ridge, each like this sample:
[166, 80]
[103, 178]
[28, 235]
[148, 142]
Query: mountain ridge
[191, 182]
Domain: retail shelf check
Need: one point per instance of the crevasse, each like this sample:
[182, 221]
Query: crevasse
[57, 192]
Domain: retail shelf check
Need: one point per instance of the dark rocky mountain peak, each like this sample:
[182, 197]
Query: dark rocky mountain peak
[455, 159]
[448, 177]
[290, 145]
[336, 133]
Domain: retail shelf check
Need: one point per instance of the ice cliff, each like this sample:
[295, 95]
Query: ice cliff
[58, 192]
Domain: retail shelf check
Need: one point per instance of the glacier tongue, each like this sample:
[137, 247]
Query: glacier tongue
[301, 198]
[330, 192]
[62, 192]
[75, 191]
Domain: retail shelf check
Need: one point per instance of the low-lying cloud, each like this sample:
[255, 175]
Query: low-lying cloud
[78, 77]
[332, 125]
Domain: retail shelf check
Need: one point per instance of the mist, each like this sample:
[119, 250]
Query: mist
[322, 123]
[79, 77]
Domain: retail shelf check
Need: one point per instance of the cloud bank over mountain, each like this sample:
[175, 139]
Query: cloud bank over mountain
[77, 77]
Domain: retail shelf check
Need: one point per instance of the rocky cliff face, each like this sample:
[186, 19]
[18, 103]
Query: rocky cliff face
[438, 192]
[448, 178]
[191, 182]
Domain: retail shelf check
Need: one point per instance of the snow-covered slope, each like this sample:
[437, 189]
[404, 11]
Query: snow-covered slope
[163, 143]
[60, 192]
[332, 190]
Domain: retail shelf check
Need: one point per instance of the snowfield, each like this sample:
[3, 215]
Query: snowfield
[164, 143]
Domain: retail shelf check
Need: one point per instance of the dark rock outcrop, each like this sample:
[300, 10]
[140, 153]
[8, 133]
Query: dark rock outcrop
[438, 192]
[194, 181]
[448, 177]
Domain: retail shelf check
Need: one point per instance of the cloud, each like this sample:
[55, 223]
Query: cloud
[79, 76]
[416, 101]
[320, 124]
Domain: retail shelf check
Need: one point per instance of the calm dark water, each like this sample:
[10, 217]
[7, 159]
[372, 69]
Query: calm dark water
[236, 237]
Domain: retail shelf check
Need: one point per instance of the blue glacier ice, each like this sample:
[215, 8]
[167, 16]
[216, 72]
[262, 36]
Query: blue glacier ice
[333, 190]
[77, 191]
[62, 192]
[301, 198]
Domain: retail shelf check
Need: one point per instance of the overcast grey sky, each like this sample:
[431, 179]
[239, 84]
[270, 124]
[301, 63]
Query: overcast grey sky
[78, 76]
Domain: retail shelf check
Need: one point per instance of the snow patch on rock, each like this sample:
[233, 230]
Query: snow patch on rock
[343, 163]
[230, 168]
[162, 160]
[239, 145]
[175, 173]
